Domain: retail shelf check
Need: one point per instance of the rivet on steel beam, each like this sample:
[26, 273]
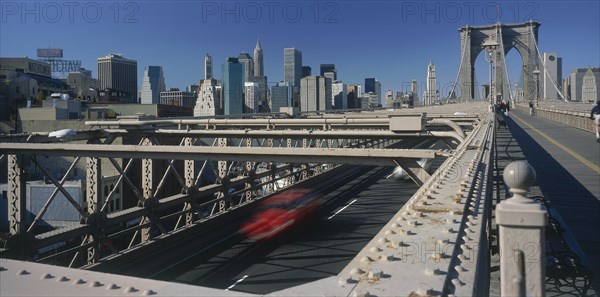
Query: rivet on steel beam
[443, 241]
[457, 283]
[390, 232]
[366, 259]
[432, 271]
[360, 293]
[356, 270]
[402, 232]
[383, 240]
[449, 230]
[23, 272]
[387, 257]
[457, 198]
[47, 276]
[424, 290]
[95, 284]
[395, 225]
[148, 292]
[451, 221]
[130, 290]
[375, 274]
[463, 258]
[112, 287]
[417, 214]
[62, 279]
[470, 217]
[345, 280]
[375, 249]
[466, 238]
[79, 282]
[398, 244]
[437, 256]
[459, 268]
[465, 247]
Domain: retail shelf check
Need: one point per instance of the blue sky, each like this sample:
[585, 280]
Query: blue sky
[390, 40]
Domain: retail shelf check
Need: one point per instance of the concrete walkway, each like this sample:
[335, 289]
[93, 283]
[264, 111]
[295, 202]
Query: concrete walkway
[567, 163]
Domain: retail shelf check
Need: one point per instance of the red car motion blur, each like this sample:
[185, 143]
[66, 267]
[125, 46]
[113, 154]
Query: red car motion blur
[281, 212]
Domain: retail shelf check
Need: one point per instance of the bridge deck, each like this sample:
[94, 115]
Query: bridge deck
[566, 160]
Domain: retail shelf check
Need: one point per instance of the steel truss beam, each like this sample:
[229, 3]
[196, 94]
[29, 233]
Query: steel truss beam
[379, 157]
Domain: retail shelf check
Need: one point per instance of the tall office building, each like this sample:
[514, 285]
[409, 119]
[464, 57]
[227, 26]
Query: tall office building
[353, 96]
[208, 100]
[281, 96]
[118, 73]
[246, 60]
[292, 64]
[306, 71]
[259, 69]
[175, 97]
[339, 94]
[315, 93]
[251, 97]
[208, 67]
[585, 84]
[431, 93]
[233, 87]
[152, 85]
[373, 85]
[552, 77]
[414, 92]
[329, 68]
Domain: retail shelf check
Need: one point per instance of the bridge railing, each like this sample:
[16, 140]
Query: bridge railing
[575, 119]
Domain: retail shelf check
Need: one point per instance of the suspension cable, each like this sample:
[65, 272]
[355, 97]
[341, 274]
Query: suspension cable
[504, 64]
[462, 56]
[545, 69]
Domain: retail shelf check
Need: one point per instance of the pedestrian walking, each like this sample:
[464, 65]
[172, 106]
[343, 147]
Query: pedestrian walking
[595, 115]
[530, 108]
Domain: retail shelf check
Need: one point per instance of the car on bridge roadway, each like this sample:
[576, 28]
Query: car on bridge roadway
[282, 212]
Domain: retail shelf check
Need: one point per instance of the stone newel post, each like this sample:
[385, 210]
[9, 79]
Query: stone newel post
[521, 222]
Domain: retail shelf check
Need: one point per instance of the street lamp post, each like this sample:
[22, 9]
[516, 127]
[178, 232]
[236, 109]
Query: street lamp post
[536, 76]
[490, 46]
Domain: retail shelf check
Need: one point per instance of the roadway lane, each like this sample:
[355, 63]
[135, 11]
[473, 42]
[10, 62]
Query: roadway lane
[567, 163]
[318, 250]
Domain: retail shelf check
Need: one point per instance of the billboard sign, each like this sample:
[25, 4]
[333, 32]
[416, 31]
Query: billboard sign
[49, 52]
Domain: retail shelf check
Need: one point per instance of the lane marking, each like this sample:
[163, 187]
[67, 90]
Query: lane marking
[575, 155]
[237, 282]
[342, 209]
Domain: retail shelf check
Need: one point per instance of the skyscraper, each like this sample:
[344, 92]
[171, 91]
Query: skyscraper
[329, 68]
[292, 63]
[306, 71]
[208, 102]
[373, 86]
[120, 74]
[246, 60]
[251, 97]
[152, 85]
[315, 93]
[339, 93]
[552, 76]
[281, 96]
[431, 93]
[259, 69]
[233, 87]
[208, 67]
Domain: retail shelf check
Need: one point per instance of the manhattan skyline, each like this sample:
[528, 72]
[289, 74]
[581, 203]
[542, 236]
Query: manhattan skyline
[388, 40]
